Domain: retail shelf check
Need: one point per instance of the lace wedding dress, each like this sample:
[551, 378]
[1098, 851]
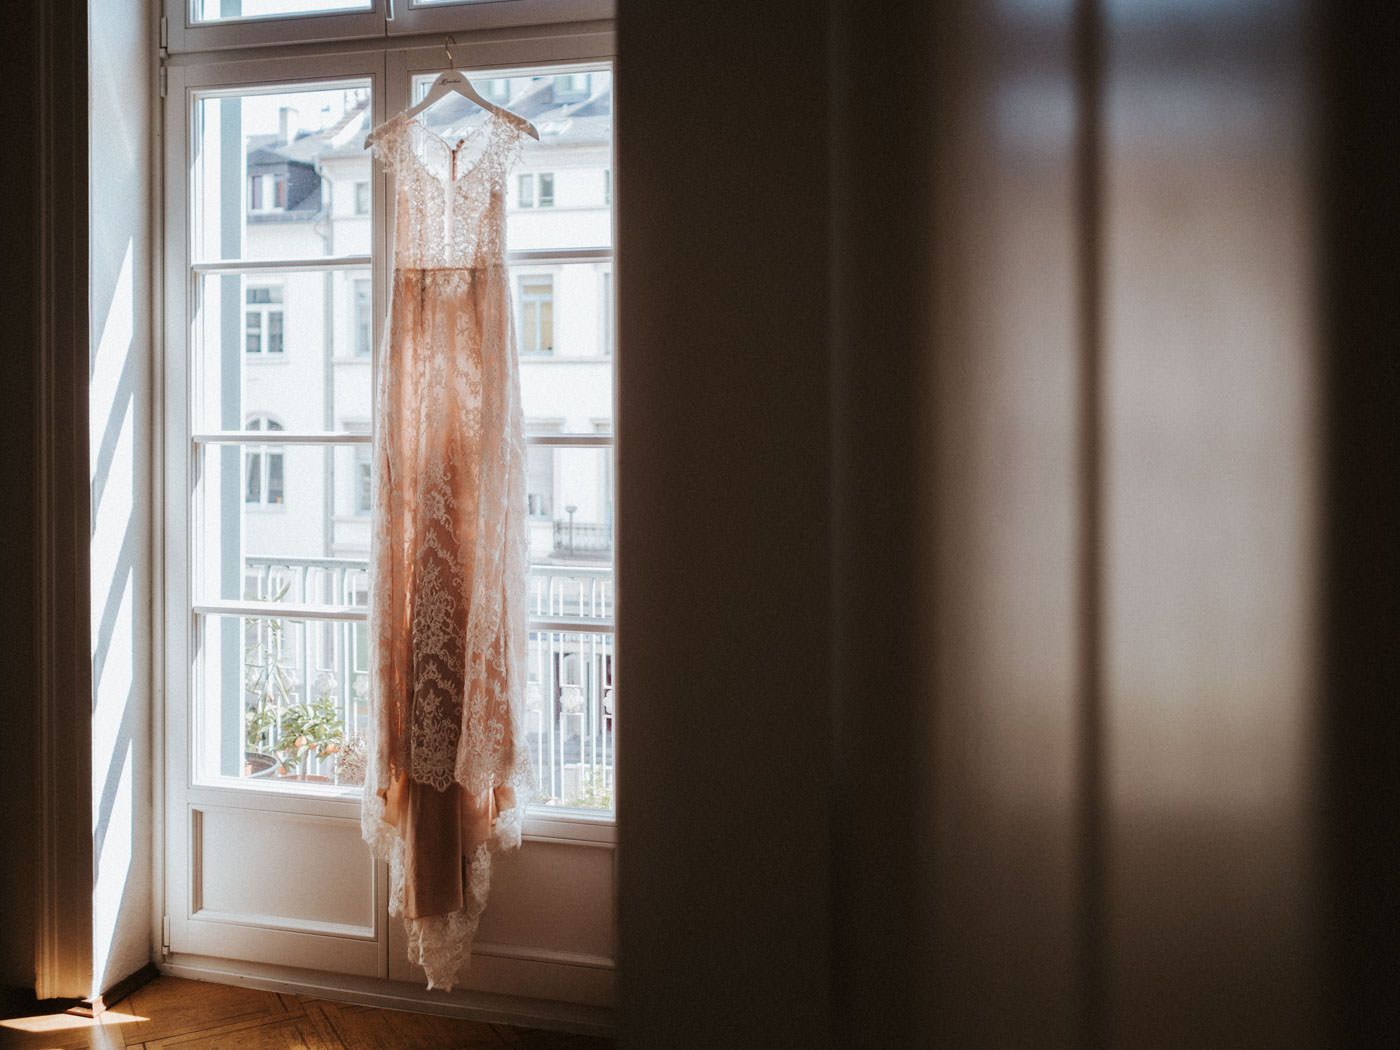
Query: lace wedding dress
[444, 787]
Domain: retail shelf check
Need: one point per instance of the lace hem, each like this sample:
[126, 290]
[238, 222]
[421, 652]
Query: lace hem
[440, 944]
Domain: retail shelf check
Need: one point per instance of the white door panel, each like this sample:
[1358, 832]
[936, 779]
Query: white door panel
[290, 870]
[548, 931]
[274, 871]
[549, 896]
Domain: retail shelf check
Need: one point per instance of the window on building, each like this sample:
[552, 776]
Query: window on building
[496, 89]
[264, 473]
[535, 299]
[607, 310]
[267, 192]
[573, 87]
[607, 185]
[363, 318]
[539, 481]
[263, 319]
[363, 480]
[362, 198]
[536, 190]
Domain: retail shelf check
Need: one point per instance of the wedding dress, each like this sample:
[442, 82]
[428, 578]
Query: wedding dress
[446, 779]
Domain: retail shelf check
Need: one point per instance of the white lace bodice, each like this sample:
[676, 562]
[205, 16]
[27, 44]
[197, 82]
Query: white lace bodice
[449, 201]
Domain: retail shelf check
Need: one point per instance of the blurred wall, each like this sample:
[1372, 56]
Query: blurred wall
[1105, 470]
[723, 526]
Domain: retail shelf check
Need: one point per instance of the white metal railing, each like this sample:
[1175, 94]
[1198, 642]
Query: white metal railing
[321, 607]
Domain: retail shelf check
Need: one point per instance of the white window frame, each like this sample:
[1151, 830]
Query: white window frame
[261, 455]
[525, 306]
[180, 33]
[532, 199]
[266, 195]
[265, 312]
[389, 70]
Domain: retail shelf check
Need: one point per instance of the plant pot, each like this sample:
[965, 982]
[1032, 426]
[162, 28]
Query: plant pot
[257, 764]
[307, 778]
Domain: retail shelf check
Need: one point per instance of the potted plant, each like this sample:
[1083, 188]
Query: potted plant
[308, 730]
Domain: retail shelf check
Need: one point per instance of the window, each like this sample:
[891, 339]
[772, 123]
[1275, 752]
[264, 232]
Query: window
[263, 320]
[539, 471]
[363, 318]
[496, 89]
[536, 299]
[276, 466]
[572, 88]
[536, 190]
[607, 310]
[607, 185]
[267, 192]
[263, 473]
[363, 483]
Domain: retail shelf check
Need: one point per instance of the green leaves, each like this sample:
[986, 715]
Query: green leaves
[292, 732]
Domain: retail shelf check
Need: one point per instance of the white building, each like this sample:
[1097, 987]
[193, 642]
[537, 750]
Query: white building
[295, 356]
[306, 336]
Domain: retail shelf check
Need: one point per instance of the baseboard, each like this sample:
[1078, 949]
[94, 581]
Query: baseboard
[118, 991]
[397, 995]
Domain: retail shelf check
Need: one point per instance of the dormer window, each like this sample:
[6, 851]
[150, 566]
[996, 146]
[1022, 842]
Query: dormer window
[497, 90]
[572, 88]
[267, 192]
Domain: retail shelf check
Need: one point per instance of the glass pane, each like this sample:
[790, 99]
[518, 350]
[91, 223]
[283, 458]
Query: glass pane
[229, 10]
[564, 338]
[291, 347]
[570, 708]
[561, 195]
[274, 174]
[300, 532]
[281, 700]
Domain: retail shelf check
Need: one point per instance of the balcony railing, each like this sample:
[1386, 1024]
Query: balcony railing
[577, 539]
[569, 697]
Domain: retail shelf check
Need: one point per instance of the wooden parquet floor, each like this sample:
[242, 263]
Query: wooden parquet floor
[172, 1013]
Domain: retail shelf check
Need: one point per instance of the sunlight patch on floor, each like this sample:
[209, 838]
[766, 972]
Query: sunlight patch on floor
[63, 1022]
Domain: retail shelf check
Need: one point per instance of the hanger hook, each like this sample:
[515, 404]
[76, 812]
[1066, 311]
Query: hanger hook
[447, 43]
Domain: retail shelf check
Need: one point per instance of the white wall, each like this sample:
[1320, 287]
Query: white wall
[121, 407]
